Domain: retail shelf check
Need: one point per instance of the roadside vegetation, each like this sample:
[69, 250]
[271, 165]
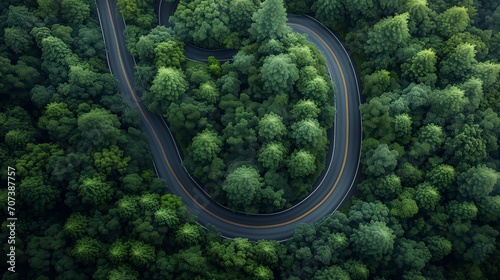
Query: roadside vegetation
[89, 204]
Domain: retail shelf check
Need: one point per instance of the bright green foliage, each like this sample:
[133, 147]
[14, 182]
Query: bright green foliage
[279, 73]
[316, 89]
[169, 54]
[305, 109]
[376, 119]
[332, 273]
[271, 127]
[75, 11]
[448, 102]
[207, 92]
[404, 206]
[459, 63]
[452, 21]
[362, 212]
[269, 22]
[62, 32]
[123, 273]
[376, 83]
[420, 22]
[411, 255]
[138, 12]
[149, 202]
[56, 57]
[145, 46]
[58, 120]
[439, 247]
[169, 85]
[430, 138]
[302, 56]
[402, 127]
[94, 191]
[37, 195]
[421, 68]
[109, 160]
[98, 128]
[76, 225]
[441, 176]
[207, 26]
[87, 250]
[167, 217]
[308, 133]
[127, 207]
[373, 240]
[118, 252]
[188, 234]
[37, 158]
[301, 164]
[427, 197]
[388, 35]
[272, 155]
[263, 273]
[384, 187]
[141, 254]
[488, 73]
[477, 182]
[242, 187]
[205, 146]
[381, 160]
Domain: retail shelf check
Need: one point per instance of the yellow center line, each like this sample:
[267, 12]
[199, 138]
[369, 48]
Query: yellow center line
[168, 162]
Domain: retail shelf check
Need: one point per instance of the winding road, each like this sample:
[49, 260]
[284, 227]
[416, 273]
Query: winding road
[333, 186]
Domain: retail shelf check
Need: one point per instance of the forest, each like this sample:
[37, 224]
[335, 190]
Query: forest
[90, 206]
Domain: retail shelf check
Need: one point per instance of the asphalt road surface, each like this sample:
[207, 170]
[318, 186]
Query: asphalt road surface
[332, 187]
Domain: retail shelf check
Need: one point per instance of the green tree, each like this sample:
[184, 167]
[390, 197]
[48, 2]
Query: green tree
[458, 65]
[75, 11]
[243, 187]
[205, 146]
[441, 176]
[279, 73]
[169, 54]
[305, 109]
[411, 255]
[240, 14]
[272, 155]
[427, 197]
[269, 22]
[330, 12]
[111, 159]
[271, 127]
[429, 140]
[58, 120]
[207, 92]
[141, 254]
[168, 86]
[87, 250]
[18, 40]
[76, 225]
[188, 234]
[301, 163]
[388, 35]
[452, 21]
[98, 128]
[35, 193]
[403, 127]
[439, 247]
[477, 182]
[56, 59]
[466, 148]
[421, 68]
[316, 89]
[94, 190]
[373, 240]
[308, 133]
[381, 160]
